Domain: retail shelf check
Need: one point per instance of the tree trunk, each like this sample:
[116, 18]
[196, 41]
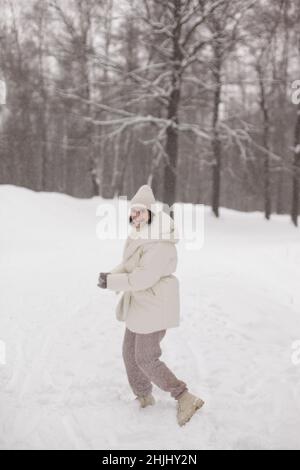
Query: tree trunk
[216, 144]
[170, 175]
[170, 169]
[296, 172]
[266, 145]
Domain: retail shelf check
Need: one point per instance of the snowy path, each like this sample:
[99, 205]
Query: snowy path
[64, 383]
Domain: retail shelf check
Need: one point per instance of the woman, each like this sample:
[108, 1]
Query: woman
[150, 302]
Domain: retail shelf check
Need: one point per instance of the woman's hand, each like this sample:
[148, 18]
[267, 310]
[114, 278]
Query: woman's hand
[102, 280]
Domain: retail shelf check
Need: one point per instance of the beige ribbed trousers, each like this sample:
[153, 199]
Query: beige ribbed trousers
[141, 353]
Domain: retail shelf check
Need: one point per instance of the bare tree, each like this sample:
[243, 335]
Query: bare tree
[173, 40]
[73, 50]
[224, 24]
[262, 45]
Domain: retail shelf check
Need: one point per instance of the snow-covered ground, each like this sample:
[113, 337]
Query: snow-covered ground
[64, 386]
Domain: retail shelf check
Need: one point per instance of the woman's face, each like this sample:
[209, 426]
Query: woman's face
[139, 216]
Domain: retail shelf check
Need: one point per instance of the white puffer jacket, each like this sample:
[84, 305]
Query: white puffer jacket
[150, 299]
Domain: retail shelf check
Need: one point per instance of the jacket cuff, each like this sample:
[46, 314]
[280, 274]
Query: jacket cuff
[118, 282]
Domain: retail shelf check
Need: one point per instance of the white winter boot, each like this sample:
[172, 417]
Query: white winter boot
[187, 405]
[146, 401]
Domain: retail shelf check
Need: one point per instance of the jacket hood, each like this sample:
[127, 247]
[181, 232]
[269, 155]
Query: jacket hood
[144, 198]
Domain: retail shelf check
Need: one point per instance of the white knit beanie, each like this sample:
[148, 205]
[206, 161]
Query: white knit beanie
[144, 198]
